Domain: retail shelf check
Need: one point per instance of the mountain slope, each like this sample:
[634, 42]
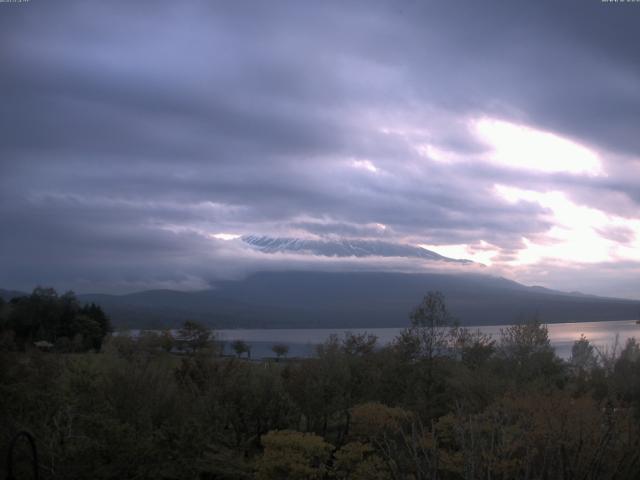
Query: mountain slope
[7, 295]
[344, 248]
[350, 300]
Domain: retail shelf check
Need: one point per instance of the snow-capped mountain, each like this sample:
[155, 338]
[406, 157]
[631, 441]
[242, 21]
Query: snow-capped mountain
[343, 248]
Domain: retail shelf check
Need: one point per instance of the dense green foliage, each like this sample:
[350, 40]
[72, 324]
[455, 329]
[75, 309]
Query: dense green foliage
[441, 402]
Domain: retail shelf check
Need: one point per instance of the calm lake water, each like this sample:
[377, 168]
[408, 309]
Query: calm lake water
[302, 342]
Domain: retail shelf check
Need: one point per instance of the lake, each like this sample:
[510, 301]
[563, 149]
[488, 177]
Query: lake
[302, 342]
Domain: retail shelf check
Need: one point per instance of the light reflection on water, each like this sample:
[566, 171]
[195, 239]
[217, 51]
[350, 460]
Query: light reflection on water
[302, 341]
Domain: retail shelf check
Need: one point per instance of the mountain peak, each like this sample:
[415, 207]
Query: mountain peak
[344, 248]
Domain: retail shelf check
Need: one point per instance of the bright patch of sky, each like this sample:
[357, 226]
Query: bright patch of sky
[519, 146]
[225, 236]
[364, 165]
[482, 253]
[579, 233]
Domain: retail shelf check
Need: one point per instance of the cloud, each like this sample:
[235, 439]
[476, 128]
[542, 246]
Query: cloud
[614, 279]
[130, 136]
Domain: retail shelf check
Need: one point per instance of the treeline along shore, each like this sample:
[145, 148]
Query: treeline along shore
[439, 402]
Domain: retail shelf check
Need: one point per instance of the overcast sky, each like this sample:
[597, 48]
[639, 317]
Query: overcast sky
[138, 137]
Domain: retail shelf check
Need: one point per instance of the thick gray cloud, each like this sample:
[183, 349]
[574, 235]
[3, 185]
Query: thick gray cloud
[130, 132]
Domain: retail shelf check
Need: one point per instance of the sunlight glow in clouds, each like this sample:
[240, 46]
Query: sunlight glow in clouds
[225, 236]
[436, 154]
[577, 232]
[364, 165]
[481, 253]
[523, 147]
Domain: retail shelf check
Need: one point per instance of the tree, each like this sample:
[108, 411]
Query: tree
[528, 353]
[37, 317]
[522, 340]
[96, 313]
[626, 373]
[385, 428]
[358, 461]
[88, 333]
[431, 312]
[474, 347]
[280, 349]
[167, 342]
[583, 355]
[240, 347]
[294, 456]
[431, 325]
[359, 343]
[194, 337]
[45, 316]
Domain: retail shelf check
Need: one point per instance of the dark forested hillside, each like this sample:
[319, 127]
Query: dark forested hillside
[334, 300]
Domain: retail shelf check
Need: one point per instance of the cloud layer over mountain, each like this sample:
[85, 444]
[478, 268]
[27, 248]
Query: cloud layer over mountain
[136, 136]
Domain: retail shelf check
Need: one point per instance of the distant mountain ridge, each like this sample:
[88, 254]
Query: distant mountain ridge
[344, 248]
[303, 299]
[7, 295]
